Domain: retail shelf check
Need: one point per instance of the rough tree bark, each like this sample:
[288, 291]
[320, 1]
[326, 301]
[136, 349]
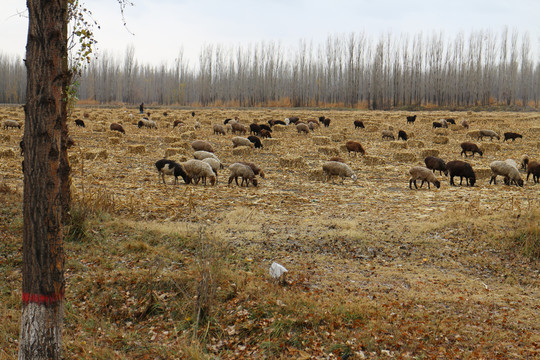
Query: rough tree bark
[45, 126]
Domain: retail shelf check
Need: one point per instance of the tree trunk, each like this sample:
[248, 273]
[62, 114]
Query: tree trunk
[45, 127]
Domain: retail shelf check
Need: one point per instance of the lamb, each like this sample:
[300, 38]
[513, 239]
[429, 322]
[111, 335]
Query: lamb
[355, 147]
[510, 173]
[117, 127]
[201, 155]
[240, 141]
[388, 134]
[11, 124]
[512, 135]
[199, 145]
[424, 174]
[402, 135]
[151, 124]
[238, 128]
[411, 119]
[468, 146]
[219, 129]
[335, 168]
[215, 164]
[170, 167]
[534, 169]
[243, 171]
[256, 170]
[488, 133]
[199, 170]
[256, 141]
[302, 128]
[465, 123]
[359, 124]
[79, 122]
[254, 129]
[265, 134]
[435, 163]
[461, 169]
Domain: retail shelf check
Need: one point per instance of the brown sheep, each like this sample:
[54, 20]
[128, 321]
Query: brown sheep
[117, 127]
[199, 145]
[355, 147]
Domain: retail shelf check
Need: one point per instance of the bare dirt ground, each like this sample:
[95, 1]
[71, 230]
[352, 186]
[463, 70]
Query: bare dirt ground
[435, 253]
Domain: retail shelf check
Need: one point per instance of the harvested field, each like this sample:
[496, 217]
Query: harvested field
[427, 269]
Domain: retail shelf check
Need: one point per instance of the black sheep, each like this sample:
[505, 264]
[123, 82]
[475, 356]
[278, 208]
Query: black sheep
[402, 135]
[437, 124]
[358, 124]
[254, 129]
[256, 141]
[512, 135]
[468, 146]
[461, 169]
[411, 119]
[79, 122]
[435, 163]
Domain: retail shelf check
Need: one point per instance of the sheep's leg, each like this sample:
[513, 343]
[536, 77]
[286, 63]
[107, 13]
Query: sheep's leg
[493, 179]
[410, 183]
[452, 180]
[422, 183]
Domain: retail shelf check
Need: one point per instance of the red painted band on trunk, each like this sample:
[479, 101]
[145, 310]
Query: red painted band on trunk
[41, 299]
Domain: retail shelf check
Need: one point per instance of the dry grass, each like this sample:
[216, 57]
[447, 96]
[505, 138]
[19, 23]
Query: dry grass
[375, 269]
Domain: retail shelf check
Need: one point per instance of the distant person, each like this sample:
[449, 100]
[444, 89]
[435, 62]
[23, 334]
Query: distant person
[141, 108]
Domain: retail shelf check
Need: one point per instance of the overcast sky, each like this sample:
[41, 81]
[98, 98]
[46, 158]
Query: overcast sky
[162, 27]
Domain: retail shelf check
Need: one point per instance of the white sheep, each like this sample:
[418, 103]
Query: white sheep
[243, 171]
[201, 155]
[388, 134]
[336, 168]
[147, 123]
[488, 133]
[240, 141]
[424, 174]
[11, 124]
[510, 173]
[215, 164]
[512, 162]
[199, 170]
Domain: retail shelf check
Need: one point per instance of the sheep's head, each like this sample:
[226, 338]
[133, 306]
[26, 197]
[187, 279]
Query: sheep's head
[520, 182]
[472, 181]
[437, 183]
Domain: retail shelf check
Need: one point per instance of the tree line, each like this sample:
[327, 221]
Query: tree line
[423, 70]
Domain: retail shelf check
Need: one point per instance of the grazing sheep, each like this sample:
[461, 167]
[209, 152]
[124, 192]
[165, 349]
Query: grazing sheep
[302, 128]
[451, 121]
[441, 123]
[265, 127]
[321, 119]
[177, 122]
[359, 124]
[534, 169]
[240, 141]
[170, 167]
[511, 162]
[488, 133]
[387, 134]
[238, 128]
[165, 113]
[256, 141]
[243, 171]
[201, 155]
[524, 162]
[11, 124]
[424, 174]
[355, 147]
[151, 124]
[335, 168]
[276, 122]
[201, 145]
[402, 135]
[254, 129]
[312, 125]
[215, 164]
[79, 122]
[411, 119]
[256, 169]
[227, 121]
[510, 173]
[193, 114]
[265, 134]
[117, 127]
[292, 119]
[219, 129]
[461, 169]
[199, 170]
[465, 124]
[435, 163]
[468, 146]
[512, 135]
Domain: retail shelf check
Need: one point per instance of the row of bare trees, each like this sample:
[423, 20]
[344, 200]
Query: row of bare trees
[479, 69]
